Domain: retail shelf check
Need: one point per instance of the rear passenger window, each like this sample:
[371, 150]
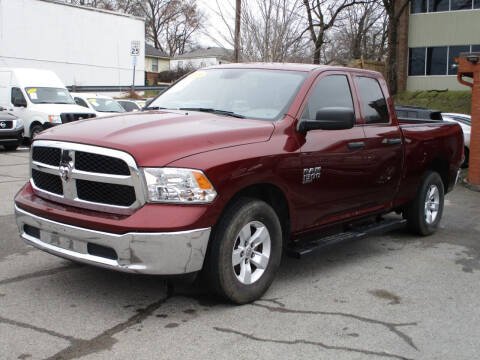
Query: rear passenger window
[330, 91]
[374, 104]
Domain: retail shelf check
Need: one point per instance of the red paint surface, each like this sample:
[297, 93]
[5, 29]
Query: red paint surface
[237, 153]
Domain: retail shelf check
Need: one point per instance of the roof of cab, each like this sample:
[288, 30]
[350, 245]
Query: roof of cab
[28, 77]
[291, 67]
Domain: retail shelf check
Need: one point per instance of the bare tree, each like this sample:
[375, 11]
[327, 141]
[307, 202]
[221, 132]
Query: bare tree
[178, 32]
[394, 9]
[361, 32]
[322, 16]
[272, 30]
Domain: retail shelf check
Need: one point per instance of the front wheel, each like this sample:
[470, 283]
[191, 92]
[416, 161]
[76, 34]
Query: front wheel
[425, 212]
[10, 147]
[34, 131]
[245, 252]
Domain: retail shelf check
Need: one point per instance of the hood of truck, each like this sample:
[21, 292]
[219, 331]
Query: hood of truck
[156, 138]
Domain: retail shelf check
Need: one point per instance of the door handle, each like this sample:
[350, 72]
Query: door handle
[356, 145]
[394, 141]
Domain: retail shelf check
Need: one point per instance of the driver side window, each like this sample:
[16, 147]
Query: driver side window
[330, 91]
[16, 94]
[80, 102]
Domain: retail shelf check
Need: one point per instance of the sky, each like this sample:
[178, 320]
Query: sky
[214, 24]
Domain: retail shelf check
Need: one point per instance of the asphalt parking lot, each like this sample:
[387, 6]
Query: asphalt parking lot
[395, 297]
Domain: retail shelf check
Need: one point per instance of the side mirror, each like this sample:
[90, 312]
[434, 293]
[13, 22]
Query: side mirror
[19, 102]
[332, 118]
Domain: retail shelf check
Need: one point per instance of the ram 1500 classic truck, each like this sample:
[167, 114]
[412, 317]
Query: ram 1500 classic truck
[233, 165]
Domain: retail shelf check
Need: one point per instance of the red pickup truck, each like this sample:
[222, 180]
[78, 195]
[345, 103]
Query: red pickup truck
[233, 165]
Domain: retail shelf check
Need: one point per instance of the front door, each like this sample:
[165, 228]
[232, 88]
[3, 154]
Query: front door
[333, 160]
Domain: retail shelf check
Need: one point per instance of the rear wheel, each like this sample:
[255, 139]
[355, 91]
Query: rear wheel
[245, 251]
[425, 212]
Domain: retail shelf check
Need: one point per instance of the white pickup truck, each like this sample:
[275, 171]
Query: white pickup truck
[39, 98]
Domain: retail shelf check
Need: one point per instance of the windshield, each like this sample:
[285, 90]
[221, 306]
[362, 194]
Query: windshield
[253, 93]
[105, 105]
[47, 95]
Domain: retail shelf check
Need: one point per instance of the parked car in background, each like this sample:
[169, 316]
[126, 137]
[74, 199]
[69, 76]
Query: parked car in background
[129, 105]
[39, 98]
[11, 130]
[465, 121]
[100, 104]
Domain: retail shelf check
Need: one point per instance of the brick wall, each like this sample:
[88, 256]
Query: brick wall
[474, 161]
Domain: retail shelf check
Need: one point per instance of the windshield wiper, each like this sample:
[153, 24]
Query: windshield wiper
[214, 111]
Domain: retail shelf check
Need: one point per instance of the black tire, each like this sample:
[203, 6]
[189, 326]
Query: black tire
[465, 162]
[34, 130]
[219, 271]
[416, 213]
[10, 147]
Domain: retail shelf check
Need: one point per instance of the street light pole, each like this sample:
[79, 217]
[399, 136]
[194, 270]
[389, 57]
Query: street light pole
[238, 14]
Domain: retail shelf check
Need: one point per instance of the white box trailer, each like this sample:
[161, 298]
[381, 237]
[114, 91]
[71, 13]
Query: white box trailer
[82, 45]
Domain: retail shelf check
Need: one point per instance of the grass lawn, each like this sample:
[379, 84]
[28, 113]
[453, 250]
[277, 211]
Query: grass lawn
[445, 101]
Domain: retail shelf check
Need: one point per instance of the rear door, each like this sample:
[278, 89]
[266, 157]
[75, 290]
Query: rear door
[333, 160]
[383, 141]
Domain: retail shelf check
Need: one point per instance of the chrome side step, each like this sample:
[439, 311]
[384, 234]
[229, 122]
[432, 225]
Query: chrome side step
[303, 248]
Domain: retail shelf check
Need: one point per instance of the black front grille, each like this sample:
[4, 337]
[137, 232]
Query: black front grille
[47, 155]
[100, 164]
[6, 124]
[69, 117]
[47, 182]
[111, 194]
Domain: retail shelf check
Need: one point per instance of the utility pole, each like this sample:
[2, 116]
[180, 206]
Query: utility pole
[238, 14]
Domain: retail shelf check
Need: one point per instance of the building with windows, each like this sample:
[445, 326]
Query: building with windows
[201, 58]
[437, 31]
[156, 61]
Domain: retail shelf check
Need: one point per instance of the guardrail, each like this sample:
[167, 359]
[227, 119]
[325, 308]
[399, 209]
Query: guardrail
[75, 88]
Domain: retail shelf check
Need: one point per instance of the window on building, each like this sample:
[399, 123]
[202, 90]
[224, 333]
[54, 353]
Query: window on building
[437, 60]
[330, 91]
[461, 4]
[203, 64]
[180, 64]
[416, 61]
[438, 5]
[475, 48]
[374, 104]
[453, 52]
[476, 4]
[418, 6]
[154, 65]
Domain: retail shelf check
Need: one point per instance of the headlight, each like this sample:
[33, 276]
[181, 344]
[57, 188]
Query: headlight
[172, 185]
[18, 123]
[54, 118]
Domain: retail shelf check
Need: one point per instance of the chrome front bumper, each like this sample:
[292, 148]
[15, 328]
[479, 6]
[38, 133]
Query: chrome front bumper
[165, 253]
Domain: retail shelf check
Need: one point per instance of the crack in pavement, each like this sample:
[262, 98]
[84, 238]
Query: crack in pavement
[315, 343]
[390, 326]
[104, 341]
[38, 329]
[40, 274]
